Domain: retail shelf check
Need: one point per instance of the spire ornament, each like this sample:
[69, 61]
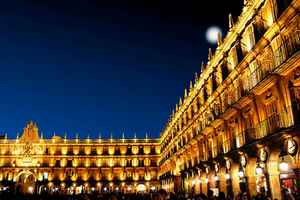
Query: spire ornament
[219, 40]
[231, 23]
[209, 54]
[202, 68]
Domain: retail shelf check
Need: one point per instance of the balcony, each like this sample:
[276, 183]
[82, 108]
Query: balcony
[273, 124]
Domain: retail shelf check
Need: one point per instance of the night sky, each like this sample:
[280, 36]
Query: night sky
[101, 66]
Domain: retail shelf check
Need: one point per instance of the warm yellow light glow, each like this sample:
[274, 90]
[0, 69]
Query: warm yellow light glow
[64, 151]
[111, 150]
[88, 150]
[111, 162]
[75, 151]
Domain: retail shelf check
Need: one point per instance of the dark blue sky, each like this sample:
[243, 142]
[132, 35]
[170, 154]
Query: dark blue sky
[100, 66]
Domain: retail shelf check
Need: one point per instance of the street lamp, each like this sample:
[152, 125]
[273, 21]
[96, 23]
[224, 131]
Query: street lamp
[283, 164]
[216, 178]
[227, 175]
[206, 179]
[258, 169]
[241, 172]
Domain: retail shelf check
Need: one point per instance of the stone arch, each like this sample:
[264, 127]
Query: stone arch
[25, 172]
[273, 170]
[19, 189]
[42, 189]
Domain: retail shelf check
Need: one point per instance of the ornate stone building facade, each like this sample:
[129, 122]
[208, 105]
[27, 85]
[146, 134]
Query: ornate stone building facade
[237, 127]
[31, 164]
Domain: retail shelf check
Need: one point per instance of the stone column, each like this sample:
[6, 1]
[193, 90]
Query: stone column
[251, 185]
[235, 180]
[274, 183]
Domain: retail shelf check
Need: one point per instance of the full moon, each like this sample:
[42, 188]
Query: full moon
[212, 34]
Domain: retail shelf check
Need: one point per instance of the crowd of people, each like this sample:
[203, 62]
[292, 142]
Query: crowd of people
[287, 194]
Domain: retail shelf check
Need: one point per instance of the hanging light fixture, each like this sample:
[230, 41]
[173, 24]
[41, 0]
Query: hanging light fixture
[199, 180]
[216, 177]
[227, 176]
[283, 164]
[241, 172]
[258, 169]
[206, 179]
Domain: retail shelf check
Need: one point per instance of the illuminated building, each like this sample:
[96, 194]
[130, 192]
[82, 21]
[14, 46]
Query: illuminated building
[31, 164]
[237, 127]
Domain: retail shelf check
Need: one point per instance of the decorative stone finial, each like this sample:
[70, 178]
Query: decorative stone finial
[219, 40]
[231, 23]
[209, 54]
[202, 68]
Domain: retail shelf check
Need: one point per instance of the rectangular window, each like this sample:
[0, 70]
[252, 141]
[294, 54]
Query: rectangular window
[57, 163]
[45, 176]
